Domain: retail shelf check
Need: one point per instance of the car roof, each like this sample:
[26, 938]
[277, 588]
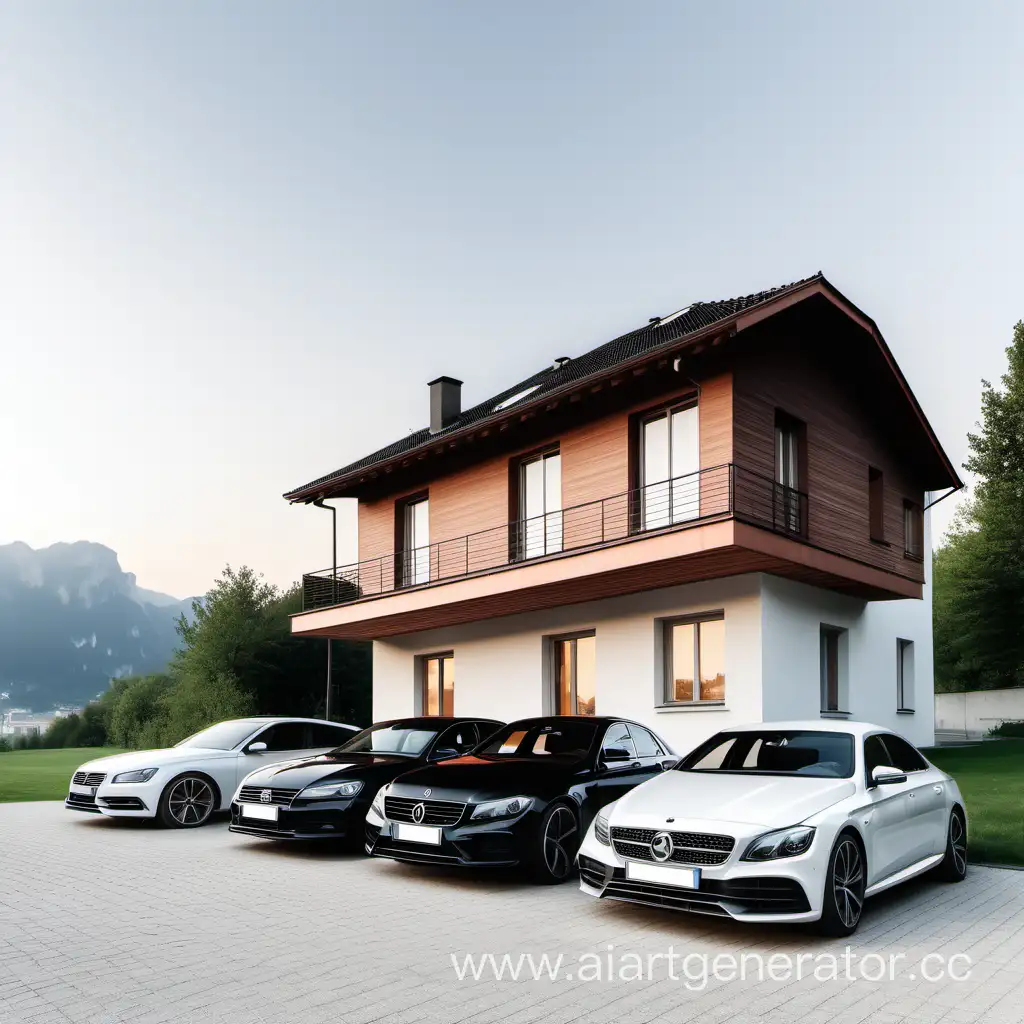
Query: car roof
[445, 719]
[257, 720]
[813, 725]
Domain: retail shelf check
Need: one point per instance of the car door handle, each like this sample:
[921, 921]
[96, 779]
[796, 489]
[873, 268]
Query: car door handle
[911, 795]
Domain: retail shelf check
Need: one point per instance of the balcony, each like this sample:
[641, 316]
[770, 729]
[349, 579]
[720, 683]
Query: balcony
[721, 521]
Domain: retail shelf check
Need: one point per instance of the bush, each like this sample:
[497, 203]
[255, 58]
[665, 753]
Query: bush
[1012, 729]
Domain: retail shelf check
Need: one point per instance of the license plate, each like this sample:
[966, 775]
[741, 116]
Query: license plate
[419, 834]
[265, 812]
[83, 790]
[684, 878]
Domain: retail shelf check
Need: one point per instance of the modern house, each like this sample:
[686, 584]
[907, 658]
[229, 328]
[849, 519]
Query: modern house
[715, 518]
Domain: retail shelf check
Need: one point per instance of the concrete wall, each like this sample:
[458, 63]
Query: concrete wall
[976, 712]
[502, 668]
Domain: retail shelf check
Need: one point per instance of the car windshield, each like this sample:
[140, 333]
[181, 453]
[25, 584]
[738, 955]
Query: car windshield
[563, 741]
[222, 736]
[827, 755]
[408, 740]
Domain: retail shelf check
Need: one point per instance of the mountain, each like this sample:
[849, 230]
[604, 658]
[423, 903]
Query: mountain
[71, 619]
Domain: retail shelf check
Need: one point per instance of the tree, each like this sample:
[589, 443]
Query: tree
[979, 570]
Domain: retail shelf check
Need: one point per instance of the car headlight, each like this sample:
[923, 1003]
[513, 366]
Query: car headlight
[378, 801]
[140, 775]
[329, 790]
[601, 829]
[506, 808]
[786, 842]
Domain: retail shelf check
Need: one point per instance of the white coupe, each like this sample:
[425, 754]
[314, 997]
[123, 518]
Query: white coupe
[183, 785]
[788, 821]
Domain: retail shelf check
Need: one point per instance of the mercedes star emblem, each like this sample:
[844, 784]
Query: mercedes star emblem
[266, 796]
[418, 812]
[662, 846]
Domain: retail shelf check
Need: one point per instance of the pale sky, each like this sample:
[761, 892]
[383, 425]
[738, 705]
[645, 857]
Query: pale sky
[238, 238]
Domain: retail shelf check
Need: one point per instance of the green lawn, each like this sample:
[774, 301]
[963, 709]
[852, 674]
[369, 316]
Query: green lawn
[43, 774]
[991, 777]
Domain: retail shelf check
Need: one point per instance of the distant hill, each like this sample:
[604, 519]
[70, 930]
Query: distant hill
[71, 619]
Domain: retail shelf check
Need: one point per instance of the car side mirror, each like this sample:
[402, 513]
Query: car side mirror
[886, 775]
[256, 748]
[669, 763]
[444, 752]
[612, 757]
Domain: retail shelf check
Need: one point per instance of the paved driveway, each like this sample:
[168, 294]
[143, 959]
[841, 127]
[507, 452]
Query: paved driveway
[103, 921]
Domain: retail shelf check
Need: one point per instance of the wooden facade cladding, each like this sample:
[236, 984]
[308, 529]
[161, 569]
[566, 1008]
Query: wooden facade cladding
[595, 460]
[847, 434]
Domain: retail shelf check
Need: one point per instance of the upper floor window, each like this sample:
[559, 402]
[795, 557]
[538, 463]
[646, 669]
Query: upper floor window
[876, 504]
[539, 527]
[695, 661]
[913, 530]
[669, 466]
[575, 674]
[790, 459]
[414, 558]
[438, 684]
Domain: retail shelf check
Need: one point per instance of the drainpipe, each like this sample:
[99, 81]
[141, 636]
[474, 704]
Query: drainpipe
[319, 503]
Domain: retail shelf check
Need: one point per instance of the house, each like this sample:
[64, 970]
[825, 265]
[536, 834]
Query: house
[715, 518]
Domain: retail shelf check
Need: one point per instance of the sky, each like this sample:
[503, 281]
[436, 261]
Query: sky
[237, 239]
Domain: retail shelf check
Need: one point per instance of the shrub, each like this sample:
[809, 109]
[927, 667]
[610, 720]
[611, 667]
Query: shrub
[1014, 729]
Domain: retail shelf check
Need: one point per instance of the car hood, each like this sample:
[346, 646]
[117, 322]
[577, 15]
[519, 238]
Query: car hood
[155, 758]
[471, 779]
[761, 800]
[304, 772]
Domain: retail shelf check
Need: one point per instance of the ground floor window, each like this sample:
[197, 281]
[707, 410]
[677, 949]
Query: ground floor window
[575, 674]
[904, 675]
[695, 660]
[833, 641]
[438, 684]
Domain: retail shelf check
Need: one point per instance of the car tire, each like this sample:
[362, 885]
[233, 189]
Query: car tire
[953, 866]
[187, 801]
[845, 882]
[552, 853]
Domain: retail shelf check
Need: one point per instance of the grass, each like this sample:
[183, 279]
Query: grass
[43, 774]
[991, 779]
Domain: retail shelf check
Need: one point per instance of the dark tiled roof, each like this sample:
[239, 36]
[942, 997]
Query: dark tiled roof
[664, 331]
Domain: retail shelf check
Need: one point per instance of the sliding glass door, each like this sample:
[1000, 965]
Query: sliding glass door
[669, 468]
[540, 506]
[416, 555]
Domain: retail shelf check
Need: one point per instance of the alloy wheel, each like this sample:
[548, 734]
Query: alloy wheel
[958, 842]
[190, 801]
[848, 882]
[559, 845]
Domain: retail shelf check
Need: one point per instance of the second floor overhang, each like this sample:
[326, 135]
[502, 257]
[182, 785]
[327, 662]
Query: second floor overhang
[719, 522]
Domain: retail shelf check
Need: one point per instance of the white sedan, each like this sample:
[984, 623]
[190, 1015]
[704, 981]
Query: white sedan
[183, 785]
[788, 821]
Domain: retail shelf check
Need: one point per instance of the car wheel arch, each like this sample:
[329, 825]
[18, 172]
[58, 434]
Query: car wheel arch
[217, 795]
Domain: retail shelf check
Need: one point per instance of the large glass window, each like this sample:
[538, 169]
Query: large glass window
[695, 661]
[575, 674]
[416, 550]
[540, 505]
[670, 468]
[439, 684]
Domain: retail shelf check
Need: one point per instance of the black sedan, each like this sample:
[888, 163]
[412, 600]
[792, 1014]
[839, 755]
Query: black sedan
[524, 797]
[327, 797]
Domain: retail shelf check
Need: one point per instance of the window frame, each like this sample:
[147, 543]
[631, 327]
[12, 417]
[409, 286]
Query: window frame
[903, 647]
[554, 643]
[787, 519]
[913, 530]
[841, 634]
[440, 657]
[667, 673]
[404, 570]
[517, 540]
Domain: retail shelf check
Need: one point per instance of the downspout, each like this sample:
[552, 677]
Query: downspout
[319, 503]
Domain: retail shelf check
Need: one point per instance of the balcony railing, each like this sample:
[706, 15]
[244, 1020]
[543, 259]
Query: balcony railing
[706, 495]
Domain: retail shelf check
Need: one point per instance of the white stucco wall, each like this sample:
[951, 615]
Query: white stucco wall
[976, 712]
[502, 670]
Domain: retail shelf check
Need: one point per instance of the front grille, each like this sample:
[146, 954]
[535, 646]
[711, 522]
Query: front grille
[88, 778]
[81, 800]
[690, 847]
[253, 795]
[742, 896]
[435, 812]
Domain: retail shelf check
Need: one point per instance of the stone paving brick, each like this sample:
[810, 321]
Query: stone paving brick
[105, 922]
